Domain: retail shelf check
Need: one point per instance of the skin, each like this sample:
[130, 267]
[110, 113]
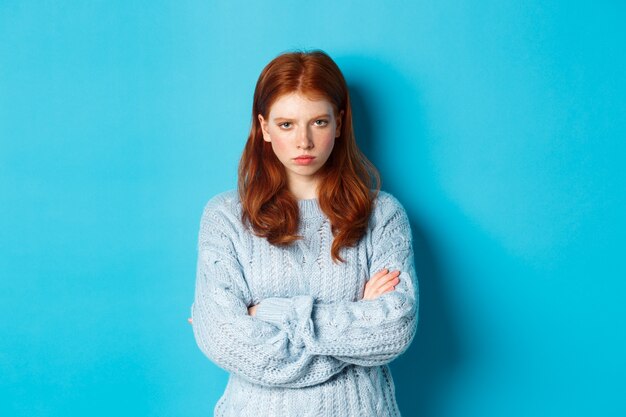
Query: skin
[296, 125]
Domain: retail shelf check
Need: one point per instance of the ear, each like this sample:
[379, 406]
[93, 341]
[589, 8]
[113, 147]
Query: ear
[263, 123]
[339, 121]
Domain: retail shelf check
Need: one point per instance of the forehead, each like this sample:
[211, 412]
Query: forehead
[296, 104]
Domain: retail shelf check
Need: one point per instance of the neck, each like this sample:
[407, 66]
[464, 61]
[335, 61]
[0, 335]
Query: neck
[303, 189]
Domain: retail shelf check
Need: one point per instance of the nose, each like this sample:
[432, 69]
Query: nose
[304, 140]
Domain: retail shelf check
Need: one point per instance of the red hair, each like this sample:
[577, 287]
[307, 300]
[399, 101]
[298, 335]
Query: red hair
[349, 182]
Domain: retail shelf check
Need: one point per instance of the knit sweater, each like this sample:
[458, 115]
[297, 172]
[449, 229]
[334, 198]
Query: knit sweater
[314, 347]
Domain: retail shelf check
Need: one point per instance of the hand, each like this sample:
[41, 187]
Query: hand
[252, 310]
[383, 281]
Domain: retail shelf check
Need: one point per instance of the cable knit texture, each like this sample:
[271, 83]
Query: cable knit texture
[314, 347]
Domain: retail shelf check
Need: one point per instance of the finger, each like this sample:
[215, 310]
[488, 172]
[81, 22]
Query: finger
[189, 320]
[378, 278]
[379, 274]
[372, 287]
[385, 279]
[389, 285]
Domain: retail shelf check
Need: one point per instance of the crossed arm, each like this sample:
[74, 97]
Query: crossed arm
[383, 281]
[296, 341]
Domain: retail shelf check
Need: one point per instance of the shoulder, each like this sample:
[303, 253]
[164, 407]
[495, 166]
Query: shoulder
[386, 205]
[385, 198]
[226, 200]
[388, 214]
[224, 207]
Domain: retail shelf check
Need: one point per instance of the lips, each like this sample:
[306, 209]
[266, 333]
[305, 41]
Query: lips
[304, 160]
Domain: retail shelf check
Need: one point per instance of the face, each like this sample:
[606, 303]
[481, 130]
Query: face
[299, 126]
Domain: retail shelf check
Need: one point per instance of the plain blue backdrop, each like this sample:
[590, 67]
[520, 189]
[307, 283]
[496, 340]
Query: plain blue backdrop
[500, 126]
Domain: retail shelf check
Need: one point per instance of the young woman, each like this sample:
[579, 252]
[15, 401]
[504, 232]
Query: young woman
[306, 286]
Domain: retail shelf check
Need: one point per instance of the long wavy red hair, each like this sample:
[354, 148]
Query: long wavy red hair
[349, 182]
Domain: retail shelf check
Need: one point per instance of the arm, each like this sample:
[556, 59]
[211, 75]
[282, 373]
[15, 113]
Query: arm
[256, 350]
[364, 332]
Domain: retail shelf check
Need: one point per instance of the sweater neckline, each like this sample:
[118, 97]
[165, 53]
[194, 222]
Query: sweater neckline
[310, 208]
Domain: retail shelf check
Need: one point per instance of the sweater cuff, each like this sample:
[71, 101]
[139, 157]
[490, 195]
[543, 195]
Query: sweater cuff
[274, 310]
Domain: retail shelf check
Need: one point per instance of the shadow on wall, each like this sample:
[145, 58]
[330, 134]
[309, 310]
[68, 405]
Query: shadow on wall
[382, 96]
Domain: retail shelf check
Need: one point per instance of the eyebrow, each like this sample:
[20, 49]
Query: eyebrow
[313, 118]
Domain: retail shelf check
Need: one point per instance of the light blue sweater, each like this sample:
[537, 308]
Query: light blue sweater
[314, 347]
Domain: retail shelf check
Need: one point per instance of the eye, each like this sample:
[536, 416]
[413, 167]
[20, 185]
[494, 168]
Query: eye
[321, 122]
[283, 125]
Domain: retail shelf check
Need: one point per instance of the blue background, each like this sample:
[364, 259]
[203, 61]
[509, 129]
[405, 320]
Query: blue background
[499, 125]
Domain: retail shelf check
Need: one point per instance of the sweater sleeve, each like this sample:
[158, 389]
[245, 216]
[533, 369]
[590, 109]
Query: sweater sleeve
[364, 332]
[256, 350]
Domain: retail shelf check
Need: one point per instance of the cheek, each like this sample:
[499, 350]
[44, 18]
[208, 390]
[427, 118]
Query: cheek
[331, 145]
[279, 144]
[327, 142]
